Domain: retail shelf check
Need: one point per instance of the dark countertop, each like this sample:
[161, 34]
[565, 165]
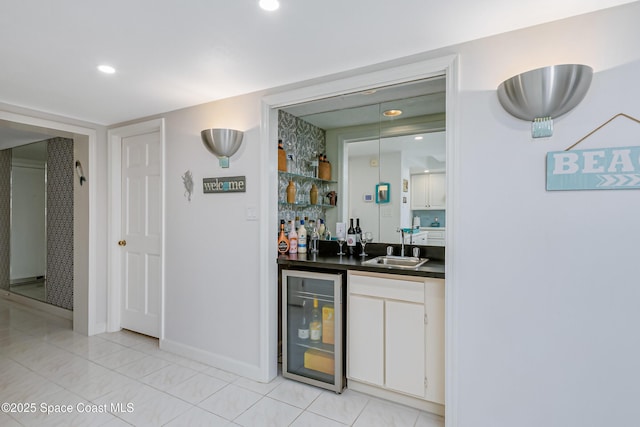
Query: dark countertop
[327, 259]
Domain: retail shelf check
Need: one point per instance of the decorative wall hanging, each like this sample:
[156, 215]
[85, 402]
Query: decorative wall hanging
[187, 180]
[383, 193]
[227, 184]
[595, 169]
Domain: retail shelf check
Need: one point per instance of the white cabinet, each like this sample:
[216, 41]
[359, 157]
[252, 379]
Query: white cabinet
[420, 238]
[430, 236]
[436, 236]
[419, 191]
[395, 337]
[437, 191]
[366, 339]
[404, 353]
[428, 191]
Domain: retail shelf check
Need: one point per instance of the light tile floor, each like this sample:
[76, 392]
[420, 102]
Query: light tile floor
[123, 378]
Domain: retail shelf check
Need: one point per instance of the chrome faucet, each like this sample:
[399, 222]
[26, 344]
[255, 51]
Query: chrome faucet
[401, 231]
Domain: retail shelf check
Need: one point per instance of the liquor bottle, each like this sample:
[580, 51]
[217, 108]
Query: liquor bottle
[283, 241]
[297, 223]
[282, 157]
[315, 325]
[351, 237]
[291, 192]
[303, 328]
[293, 240]
[302, 238]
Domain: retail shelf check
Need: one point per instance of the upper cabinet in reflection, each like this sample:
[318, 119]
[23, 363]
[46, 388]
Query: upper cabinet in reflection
[387, 135]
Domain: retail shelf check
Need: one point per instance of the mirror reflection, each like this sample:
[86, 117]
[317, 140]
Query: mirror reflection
[28, 245]
[393, 135]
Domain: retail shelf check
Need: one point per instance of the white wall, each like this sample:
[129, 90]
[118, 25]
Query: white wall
[362, 180]
[406, 220]
[390, 215]
[211, 272]
[547, 282]
[82, 298]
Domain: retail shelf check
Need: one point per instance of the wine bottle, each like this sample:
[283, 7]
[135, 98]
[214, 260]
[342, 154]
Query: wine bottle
[302, 238]
[293, 239]
[358, 230]
[303, 327]
[315, 325]
[322, 229]
[283, 241]
[351, 237]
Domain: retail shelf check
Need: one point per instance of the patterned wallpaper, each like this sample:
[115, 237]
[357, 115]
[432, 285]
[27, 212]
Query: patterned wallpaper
[303, 141]
[60, 176]
[5, 217]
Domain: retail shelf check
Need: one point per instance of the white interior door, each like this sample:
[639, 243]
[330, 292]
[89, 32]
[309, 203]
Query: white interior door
[141, 227]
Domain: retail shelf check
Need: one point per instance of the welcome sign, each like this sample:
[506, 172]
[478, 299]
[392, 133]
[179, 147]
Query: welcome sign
[596, 169]
[227, 184]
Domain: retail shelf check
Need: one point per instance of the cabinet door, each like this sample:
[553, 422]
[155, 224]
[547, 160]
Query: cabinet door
[365, 347]
[437, 191]
[405, 347]
[419, 194]
[434, 307]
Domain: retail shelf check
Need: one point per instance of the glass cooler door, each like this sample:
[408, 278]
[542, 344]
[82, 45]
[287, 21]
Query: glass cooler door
[312, 328]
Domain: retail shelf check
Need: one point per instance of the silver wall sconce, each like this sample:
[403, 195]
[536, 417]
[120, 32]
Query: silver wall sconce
[223, 143]
[543, 94]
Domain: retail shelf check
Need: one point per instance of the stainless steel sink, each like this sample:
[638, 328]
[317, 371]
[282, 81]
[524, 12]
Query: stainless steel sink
[390, 261]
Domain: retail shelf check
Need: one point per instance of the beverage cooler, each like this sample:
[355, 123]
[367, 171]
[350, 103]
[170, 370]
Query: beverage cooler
[312, 333]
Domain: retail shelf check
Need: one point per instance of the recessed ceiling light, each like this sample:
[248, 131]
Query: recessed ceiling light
[392, 113]
[426, 171]
[369, 92]
[269, 5]
[107, 69]
[418, 138]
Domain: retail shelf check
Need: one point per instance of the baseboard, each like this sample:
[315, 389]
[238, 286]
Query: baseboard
[38, 305]
[414, 402]
[221, 362]
[98, 328]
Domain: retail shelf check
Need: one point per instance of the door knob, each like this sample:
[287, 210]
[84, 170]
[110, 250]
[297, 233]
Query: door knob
[122, 243]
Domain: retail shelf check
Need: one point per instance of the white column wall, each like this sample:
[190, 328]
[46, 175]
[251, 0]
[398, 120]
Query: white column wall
[547, 282]
[211, 272]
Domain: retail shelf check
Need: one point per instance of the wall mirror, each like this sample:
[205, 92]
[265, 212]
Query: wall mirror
[28, 244]
[381, 135]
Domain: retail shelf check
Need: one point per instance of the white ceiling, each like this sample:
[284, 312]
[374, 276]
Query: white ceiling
[172, 54]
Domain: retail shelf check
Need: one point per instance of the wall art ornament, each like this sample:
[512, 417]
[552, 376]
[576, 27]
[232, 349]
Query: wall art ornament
[187, 180]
